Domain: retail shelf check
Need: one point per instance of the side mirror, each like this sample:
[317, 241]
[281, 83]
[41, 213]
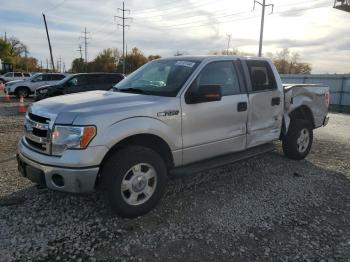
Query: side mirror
[204, 93]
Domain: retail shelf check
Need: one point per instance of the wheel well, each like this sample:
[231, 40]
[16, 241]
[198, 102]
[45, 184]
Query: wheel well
[151, 141]
[303, 112]
[17, 88]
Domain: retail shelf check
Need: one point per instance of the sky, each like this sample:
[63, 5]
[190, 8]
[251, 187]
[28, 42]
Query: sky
[314, 29]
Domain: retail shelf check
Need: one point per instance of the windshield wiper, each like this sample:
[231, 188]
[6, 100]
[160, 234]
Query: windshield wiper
[131, 90]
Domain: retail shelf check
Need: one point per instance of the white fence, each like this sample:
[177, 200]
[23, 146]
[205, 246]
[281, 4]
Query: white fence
[339, 87]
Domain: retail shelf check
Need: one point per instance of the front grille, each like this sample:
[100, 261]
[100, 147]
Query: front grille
[37, 133]
[39, 119]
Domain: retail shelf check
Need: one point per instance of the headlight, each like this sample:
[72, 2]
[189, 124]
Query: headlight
[42, 91]
[71, 137]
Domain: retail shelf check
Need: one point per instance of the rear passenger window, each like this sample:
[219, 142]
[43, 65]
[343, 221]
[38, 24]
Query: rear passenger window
[114, 79]
[18, 74]
[26, 74]
[46, 77]
[261, 76]
[96, 79]
[56, 77]
[222, 74]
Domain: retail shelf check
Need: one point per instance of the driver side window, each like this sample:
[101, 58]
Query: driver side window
[76, 81]
[222, 74]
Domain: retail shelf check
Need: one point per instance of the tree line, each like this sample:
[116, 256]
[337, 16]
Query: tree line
[110, 60]
[15, 52]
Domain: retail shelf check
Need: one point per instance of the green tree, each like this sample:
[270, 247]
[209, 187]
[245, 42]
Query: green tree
[153, 57]
[105, 61]
[78, 65]
[5, 52]
[133, 61]
[17, 48]
[29, 64]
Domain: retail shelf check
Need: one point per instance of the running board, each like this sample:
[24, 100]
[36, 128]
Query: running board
[220, 161]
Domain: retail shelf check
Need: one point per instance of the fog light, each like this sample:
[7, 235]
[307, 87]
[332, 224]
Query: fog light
[57, 180]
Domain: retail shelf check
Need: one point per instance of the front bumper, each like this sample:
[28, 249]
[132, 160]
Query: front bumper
[74, 180]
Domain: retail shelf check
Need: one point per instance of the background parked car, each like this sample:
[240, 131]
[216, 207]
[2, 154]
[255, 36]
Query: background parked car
[79, 83]
[10, 76]
[26, 87]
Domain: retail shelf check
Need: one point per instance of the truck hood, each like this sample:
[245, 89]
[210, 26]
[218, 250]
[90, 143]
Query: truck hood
[67, 108]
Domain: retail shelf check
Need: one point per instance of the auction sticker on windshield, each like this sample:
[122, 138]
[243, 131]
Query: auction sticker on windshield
[185, 63]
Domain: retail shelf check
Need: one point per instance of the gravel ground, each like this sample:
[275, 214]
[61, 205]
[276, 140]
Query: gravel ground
[267, 208]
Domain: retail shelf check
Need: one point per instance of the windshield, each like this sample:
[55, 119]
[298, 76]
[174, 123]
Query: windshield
[161, 77]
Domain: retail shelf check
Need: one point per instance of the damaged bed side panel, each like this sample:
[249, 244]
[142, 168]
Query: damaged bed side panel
[310, 96]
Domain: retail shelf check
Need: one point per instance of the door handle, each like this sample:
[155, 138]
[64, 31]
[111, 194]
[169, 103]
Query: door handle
[275, 101]
[242, 106]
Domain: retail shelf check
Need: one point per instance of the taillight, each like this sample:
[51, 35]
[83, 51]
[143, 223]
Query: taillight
[327, 98]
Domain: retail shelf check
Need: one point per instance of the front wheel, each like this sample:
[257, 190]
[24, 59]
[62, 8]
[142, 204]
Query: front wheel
[22, 92]
[298, 140]
[134, 178]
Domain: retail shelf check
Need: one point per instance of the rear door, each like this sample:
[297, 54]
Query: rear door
[95, 82]
[215, 128]
[265, 103]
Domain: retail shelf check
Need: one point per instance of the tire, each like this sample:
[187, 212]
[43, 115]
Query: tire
[298, 141]
[138, 169]
[22, 91]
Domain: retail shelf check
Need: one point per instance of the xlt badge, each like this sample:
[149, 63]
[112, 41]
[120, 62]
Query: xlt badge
[168, 113]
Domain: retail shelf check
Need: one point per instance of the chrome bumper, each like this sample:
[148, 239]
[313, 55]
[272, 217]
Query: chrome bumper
[74, 180]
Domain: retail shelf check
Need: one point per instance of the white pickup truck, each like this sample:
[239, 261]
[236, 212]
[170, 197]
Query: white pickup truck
[173, 115]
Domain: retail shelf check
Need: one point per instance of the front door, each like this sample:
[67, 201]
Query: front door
[76, 84]
[219, 127]
[265, 104]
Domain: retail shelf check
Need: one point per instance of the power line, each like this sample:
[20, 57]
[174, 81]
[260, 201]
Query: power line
[157, 10]
[123, 25]
[220, 22]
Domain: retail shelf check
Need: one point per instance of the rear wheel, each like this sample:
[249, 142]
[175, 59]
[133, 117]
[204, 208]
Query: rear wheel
[297, 142]
[134, 179]
[22, 91]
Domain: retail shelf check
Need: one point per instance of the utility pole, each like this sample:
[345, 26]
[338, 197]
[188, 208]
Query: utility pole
[81, 53]
[48, 39]
[5, 38]
[60, 65]
[85, 44]
[123, 25]
[64, 67]
[263, 5]
[228, 43]
[26, 56]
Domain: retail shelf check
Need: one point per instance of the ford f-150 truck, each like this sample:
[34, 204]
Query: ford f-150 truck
[171, 115]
